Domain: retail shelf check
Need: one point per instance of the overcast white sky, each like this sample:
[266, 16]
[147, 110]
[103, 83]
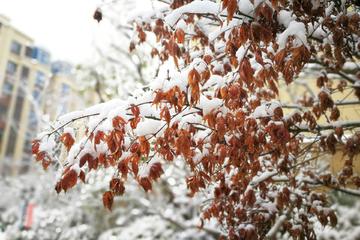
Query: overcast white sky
[64, 27]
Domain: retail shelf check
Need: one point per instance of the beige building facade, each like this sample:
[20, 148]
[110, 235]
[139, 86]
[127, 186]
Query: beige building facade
[31, 90]
[61, 95]
[24, 72]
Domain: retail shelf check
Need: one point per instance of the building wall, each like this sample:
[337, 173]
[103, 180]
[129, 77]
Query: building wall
[34, 90]
[62, 90]
[307, 85]
[20, 96]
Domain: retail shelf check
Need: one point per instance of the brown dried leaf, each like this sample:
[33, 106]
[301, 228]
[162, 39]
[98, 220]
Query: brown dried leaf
[144, 146]
[98, 15]
[45, 158]
[108, 199]
[231, 9]
[145, 183]
[58, 187]
[155, 171]
[92, 162]
[69, 180]
[67, 140]
[180, 35]
[335, 114]
[246, 72]
[221, 127]
[194, 77]
[123, 169]
[35, 146]
[165, 115]
[82, 176]
[117, 186]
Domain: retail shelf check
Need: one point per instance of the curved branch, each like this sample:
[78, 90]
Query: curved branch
[332, 70]
[320, 127]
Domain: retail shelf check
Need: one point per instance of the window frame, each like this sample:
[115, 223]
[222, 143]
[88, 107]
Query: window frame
[27, 51]
[15, 50]
[65, 90]
[37, 96]
[40, 78]
[14, 65]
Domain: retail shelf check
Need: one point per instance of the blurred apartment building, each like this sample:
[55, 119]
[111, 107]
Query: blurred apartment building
[61, 95]
[29, 94]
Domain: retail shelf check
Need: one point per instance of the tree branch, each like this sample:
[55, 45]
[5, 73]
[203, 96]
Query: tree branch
[271, 235]
[320, 127]
[332, 70]
[185, 226]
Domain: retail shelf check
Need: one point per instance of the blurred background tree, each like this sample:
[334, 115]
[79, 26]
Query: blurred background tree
[115, 71]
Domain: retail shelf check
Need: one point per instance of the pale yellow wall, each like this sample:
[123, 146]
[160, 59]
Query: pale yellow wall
[91, 97]
[7, 35]
[348, 112]
[53, 96]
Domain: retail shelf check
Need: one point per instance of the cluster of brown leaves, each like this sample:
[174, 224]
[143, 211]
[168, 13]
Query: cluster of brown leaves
[241, 154]
[42, 156]
[343, 28]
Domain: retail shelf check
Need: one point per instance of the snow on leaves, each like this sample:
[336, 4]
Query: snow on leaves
[218, 109]
[42, 156]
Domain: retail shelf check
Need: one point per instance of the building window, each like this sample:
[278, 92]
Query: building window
[32, 118]
[15, 47]
[37, 97]
[65, 90]
[44, 58]
[41, 55]
[7, 88]
[40, 78]
[24, 73]
[11, 67]
[1, 136]
[29, 52]
[29, 138]
[61, 67]
[33, 122]
[3, 114]
[3, 110]
[63, 108]
[10, 72]
[28, 145]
